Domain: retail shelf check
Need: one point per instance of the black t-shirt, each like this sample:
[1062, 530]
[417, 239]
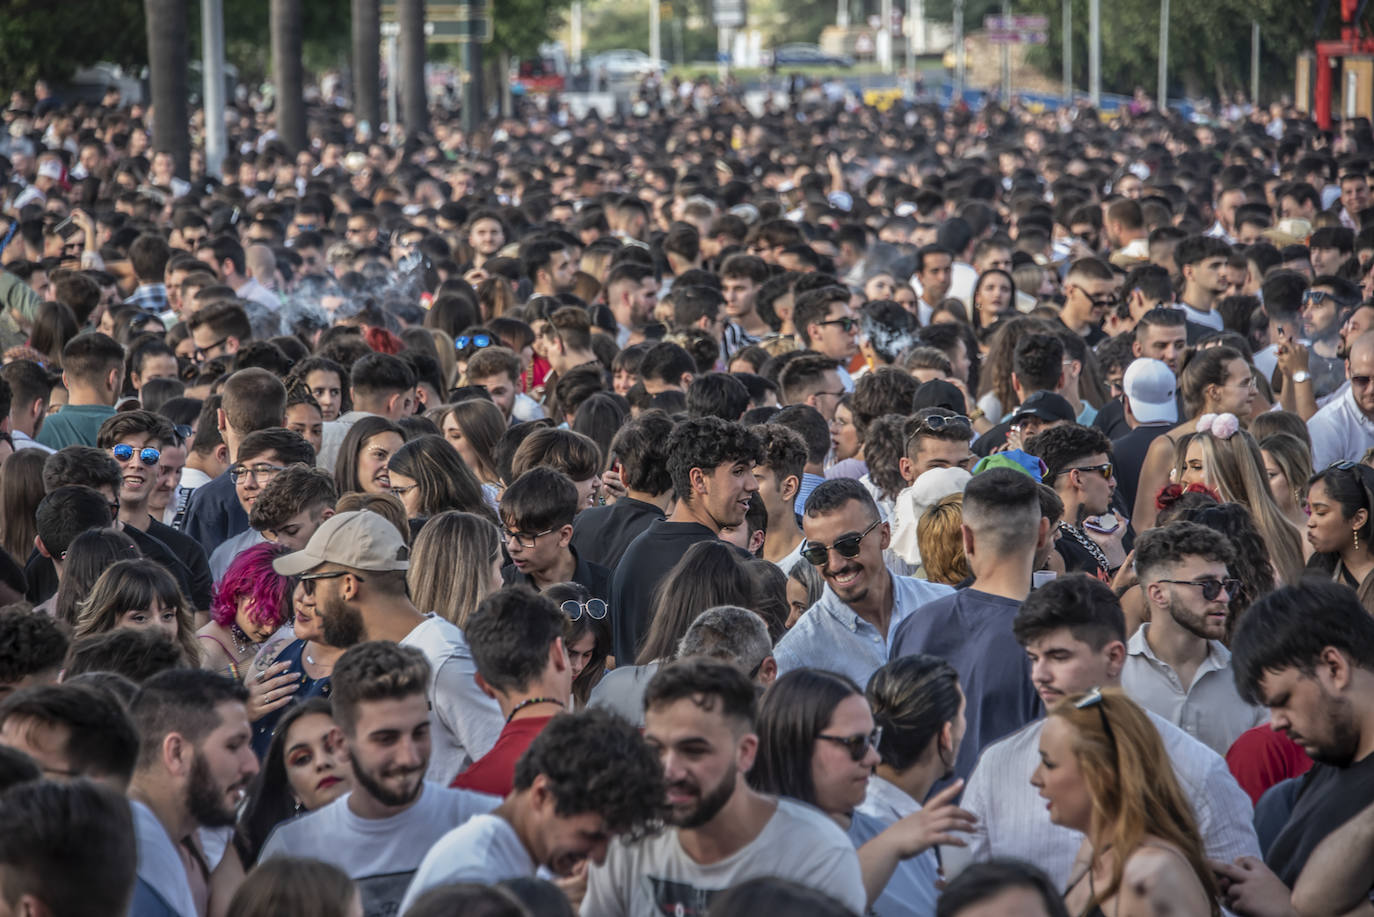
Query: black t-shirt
[190, 553]
[1128, 455]
[646, 562]
[1078, 559]
[601, 534]
[1328, 798]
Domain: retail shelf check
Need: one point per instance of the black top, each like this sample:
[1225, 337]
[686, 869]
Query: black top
[595, 577]
[1328, 798]
[1128, 455]
[214, 515]
[42, 577]
[601, 534]
[646, 562]
[1079, 559]
[190, 553]
[1112, 419]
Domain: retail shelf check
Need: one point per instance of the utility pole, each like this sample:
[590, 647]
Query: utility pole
[390, 33]
[1254, 62]
[958, 48]
[1162, 96]
[885, 36]
[655, 31]
[575, 26]
[1006, 55]
[1068, 52]
[408, 68]
[1095, 52]
[212, 70]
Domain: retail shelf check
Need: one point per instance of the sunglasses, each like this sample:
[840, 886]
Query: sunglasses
[593, 608]
[308, 580]
[937, 422]
[858, 745]
[1105, 469]
[1094, 699]
[1361, 381]
[845, 546]
[147, 455]
[1211, 588]
[845, 324]
[477, 340]
[1315, 297]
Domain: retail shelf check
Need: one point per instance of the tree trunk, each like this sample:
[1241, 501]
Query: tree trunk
[167, 74]
[410, 15]
[367, 62]
[288, 71]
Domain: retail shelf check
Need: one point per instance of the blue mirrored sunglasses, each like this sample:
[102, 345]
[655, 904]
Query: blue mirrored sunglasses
[147, 455]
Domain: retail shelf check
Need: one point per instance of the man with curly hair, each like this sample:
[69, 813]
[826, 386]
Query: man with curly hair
[711, 463]
[586, 778]
[32, 648]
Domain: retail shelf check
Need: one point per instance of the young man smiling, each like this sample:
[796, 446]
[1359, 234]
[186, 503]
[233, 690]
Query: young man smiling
[711, 462]
[699, 718]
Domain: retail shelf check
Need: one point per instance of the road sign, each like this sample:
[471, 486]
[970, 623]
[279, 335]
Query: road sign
[729, 14]
[449, 22]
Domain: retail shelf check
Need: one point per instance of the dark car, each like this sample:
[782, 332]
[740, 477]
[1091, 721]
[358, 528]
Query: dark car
[804, 55]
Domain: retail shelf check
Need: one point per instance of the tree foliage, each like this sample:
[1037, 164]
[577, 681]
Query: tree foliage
[43, 39]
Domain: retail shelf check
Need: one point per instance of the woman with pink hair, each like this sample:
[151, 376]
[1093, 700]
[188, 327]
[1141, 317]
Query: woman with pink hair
[250, 604]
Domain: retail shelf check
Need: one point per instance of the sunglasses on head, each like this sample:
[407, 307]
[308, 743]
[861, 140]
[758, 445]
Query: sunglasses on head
[1094, 699]
[477, 340]
[858, 745]
[845, 546]
[593, 608]
[147, 455]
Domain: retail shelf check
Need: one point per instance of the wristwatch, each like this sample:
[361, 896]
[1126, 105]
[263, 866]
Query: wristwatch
[1301, 376]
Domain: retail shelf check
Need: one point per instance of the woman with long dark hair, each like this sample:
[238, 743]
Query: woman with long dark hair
[1341, 527]
[365, 454]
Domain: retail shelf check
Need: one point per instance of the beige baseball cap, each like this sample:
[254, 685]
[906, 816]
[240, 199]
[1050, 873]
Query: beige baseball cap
[360, 539]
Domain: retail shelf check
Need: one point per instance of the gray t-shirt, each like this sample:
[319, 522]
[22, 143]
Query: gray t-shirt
[379, 854]
[656, 876]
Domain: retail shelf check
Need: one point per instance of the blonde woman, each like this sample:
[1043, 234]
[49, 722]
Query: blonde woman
[455, 564]
[1233, 467]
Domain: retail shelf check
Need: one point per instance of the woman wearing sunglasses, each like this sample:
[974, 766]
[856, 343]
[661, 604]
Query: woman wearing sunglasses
[818, 743]
[1103, 772]
[586, 636]
[1341, 527]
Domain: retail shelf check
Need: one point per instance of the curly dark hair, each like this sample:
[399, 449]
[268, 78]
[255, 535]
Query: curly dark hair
[707, 443]
[595, 761]
[1061, 446]
[30, 643]
[1251, 564]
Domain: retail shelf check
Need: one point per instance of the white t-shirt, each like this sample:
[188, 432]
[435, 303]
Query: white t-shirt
[160, 870]
[485, 850]
[656, 876]
[464, 722]
[379, 854]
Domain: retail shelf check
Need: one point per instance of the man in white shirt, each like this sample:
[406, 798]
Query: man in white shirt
[1177, 666]
[355, 563]
[699, 719]
[1343, 429]
[584, 779]
[1201, 260]
[1074, 633]
[380, 831]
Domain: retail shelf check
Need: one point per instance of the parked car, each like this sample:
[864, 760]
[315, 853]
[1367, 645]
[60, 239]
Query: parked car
[801, 54]
[625, 63]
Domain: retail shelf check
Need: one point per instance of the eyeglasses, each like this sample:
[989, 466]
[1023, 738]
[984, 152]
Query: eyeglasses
[259, 473]
[845, 324]
[147, 455]
[593, 608]
[845, 546]
[1105, 469]
[1211, 588]
[402, 491]
[1316, 297]
[477, 340]
[857, 746]
[526, 539]
[308, 580]
[1361, 381]
[1094, 698]
[203, 353]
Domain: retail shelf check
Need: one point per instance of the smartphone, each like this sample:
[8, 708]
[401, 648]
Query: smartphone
[1105, 524]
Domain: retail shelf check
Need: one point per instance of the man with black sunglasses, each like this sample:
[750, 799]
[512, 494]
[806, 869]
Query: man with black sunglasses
[1177, 665]
[851, 628]
[355, 565]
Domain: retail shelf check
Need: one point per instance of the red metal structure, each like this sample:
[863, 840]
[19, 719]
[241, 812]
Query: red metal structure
[1350, 42]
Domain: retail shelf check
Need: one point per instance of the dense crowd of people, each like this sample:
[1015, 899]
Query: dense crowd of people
[819, 511]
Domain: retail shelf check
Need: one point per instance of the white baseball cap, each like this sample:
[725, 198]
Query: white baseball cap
[1152, 390]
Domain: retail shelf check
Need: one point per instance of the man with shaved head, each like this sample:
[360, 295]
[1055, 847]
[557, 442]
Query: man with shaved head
[1344, 429]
